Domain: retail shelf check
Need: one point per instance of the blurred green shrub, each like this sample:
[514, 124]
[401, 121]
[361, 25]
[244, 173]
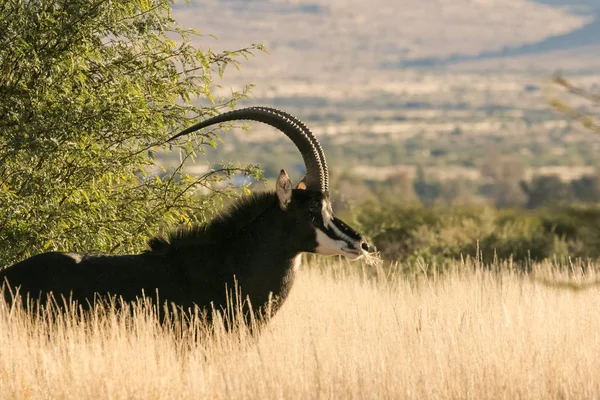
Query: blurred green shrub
[436, 235]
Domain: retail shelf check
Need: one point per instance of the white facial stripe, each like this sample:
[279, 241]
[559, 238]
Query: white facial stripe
[328, 222]
[327, 217]
[328, 246]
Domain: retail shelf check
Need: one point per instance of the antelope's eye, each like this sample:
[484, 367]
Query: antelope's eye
[315, 206]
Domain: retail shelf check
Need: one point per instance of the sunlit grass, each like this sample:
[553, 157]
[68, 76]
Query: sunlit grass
[343, 333]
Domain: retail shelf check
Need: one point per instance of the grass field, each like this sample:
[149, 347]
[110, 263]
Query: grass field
[344, 333]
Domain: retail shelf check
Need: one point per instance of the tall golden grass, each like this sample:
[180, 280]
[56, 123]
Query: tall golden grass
[343, 333]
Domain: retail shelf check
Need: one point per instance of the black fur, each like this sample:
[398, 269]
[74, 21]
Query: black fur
[255, 243]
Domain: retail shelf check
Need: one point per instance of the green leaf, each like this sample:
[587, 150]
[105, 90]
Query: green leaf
[87, 100]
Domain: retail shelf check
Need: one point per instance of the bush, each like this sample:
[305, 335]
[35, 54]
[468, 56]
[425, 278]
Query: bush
[89, 91]
[438, 235]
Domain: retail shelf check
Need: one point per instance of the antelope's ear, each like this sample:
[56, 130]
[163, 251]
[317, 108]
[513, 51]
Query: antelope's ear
[284, 189]
[302, 184]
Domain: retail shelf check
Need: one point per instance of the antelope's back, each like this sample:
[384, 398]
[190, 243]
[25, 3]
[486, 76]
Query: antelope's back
[79, 277]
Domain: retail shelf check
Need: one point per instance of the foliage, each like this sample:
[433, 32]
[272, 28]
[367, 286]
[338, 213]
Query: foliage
[439, 235]
[89, 92]
[588, 120]
[547, 190]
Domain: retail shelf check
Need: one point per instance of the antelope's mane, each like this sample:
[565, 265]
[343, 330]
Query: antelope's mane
[226, 224]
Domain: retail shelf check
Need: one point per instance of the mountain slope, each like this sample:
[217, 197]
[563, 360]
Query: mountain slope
[309, 38]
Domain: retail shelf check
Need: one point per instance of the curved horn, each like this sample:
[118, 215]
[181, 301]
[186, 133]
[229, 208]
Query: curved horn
[315, 176]
[310, 136]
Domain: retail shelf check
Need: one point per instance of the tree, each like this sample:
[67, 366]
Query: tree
[587, 188]
[89, 92]
[503, 176]
[426, 190]
[547, 190]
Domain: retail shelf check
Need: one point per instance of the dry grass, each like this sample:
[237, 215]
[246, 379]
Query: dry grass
[340, 335]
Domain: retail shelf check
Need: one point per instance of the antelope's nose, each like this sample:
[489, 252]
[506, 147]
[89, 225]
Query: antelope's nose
[365, 246]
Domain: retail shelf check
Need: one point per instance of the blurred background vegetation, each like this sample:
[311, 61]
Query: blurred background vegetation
[440, 146]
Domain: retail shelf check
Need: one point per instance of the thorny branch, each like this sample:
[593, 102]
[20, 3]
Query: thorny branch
[587, 120]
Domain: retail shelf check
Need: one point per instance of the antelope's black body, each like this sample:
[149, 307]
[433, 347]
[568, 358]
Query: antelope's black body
[255, 246]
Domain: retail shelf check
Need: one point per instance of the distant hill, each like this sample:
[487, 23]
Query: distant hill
[575, 5]
[587, 35]
[335, 39]
[576, 52]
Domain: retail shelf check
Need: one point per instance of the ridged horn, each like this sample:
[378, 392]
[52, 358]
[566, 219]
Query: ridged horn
[311, 137]
[315, 175]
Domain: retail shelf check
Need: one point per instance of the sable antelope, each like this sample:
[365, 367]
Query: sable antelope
[255, 245]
